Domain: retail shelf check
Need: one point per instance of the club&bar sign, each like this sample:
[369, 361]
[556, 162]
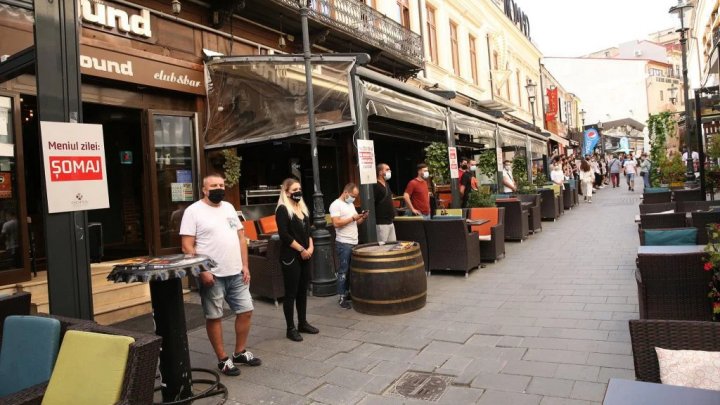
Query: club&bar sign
[99, 62]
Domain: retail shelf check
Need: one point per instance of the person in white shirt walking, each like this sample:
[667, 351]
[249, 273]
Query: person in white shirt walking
[587, 177]
[345, 220]
[630, 168]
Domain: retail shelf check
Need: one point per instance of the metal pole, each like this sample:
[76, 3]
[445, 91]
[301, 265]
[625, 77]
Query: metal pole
[701, 141]
[324, 278]
[59, 99]
[454, 186]
[368, 231]
[690, 174]
[532, 107]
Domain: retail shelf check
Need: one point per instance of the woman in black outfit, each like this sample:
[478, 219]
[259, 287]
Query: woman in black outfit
[293, 222]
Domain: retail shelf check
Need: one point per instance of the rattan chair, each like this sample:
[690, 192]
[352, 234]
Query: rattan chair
[535, 219]
[412, 229]
[139, 380]
[646, 335]
[657, 221]
[516, 220]
[494, 248]
[451, 246]
[14, 304]
[548, 202]
[267, 278]
[568, 198]
[691, 206]
[701, 220]
[688, 195]
[655, 198]
[673, 286]
[658, 207]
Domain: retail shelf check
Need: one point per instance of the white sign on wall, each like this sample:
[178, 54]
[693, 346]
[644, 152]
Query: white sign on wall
[452, 155]
[366, 160]
[74, 160]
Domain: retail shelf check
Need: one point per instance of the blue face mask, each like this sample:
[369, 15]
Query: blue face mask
[349, 199]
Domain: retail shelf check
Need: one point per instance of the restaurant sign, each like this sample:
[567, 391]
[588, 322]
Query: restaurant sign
[128, 68]
[97, 14]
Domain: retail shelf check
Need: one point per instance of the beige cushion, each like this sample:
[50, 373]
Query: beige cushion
[663, 212]
[485, 237]
[689, 368]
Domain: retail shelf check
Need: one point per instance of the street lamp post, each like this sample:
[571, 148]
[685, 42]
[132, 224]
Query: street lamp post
[324, 278]
[531, 90]
[582, 118]
[683, 10]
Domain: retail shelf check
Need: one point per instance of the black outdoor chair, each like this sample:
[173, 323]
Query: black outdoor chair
[688, 195]
[451, 246]
[701, 220]
[534, 210]
[658, 207]
[516, 220]
[655, 198]
[413, 230]
[655, 221]
[548, 209]
[690, 206]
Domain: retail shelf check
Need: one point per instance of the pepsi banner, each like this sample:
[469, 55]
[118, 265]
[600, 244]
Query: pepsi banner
[590, 140]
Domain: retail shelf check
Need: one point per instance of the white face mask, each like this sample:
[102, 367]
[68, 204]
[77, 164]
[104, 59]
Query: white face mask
[473, 168]
[349, 199]
[426, 175]
[388, 174]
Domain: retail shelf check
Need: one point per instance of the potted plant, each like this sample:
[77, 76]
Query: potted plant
[487, 164]
[436, 157]
[672, 171]
[713, 264]
[481, 198]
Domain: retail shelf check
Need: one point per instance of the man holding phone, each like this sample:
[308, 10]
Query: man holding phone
[345, 219]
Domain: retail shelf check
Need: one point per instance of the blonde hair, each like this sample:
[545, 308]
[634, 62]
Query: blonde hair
[287, 201]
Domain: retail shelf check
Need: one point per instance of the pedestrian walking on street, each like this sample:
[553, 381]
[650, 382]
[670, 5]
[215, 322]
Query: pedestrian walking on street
[345, 219]
[587, 177]
[630, 168]
[615, 167]
[293, 223]
[211, 227]
[384, 209]
[645, 167]
[417, 193]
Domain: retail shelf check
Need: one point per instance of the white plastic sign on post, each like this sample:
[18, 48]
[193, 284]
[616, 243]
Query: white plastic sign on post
[74, 160]
[452, 155]
[366, 159]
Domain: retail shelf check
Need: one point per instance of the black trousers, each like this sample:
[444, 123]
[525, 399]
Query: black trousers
[296, 277]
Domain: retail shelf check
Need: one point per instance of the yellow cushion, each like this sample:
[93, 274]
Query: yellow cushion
[458, 212]
[89, 369]
[556, 189]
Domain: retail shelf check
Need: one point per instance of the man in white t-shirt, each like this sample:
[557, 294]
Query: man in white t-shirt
[630, 167]
[211, 227]
[345, 220]
[509, 185]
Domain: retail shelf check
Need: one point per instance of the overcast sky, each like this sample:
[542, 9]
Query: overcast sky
[578, 27]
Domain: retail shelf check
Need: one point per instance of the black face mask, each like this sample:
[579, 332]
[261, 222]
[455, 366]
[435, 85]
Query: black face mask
[464, 167]
[216, 195]
[297, 196]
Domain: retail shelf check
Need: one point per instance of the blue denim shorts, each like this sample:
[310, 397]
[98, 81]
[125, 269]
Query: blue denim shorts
[230, 289]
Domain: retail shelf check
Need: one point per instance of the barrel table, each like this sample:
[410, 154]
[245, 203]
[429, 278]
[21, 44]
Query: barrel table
[387, 279]
[164, 273]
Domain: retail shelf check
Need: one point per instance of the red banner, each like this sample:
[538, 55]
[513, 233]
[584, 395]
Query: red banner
[74, 168]
[552, 110]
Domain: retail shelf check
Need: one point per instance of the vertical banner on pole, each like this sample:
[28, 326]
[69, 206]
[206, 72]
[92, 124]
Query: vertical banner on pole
[590, 140]
[452, 156]
[366, 160]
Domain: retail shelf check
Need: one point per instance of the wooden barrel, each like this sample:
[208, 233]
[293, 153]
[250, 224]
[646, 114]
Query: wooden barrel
[387, 279]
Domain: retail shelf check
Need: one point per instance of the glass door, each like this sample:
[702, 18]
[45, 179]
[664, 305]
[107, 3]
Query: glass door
[173, 175]
[14, 259]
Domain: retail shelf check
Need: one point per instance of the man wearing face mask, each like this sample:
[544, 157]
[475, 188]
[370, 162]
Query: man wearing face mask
[466, 182]
[211, 227]
[417, 193]
[384, 209]
[345, 220]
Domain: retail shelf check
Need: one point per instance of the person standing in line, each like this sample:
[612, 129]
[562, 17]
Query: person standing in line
[384, 209]
[462, 168]
[587, 177]
[509, 185]
[556, 174]
[211, 227]
[645, 167]
[615, 167]
[466, 182]
[345, 219]
[293, 223]
[630, 168]
[417, 193]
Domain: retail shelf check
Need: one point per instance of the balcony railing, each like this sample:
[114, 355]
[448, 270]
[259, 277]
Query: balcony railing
[367, 24]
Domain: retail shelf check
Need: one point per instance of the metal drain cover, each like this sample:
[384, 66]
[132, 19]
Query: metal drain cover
[422, 386]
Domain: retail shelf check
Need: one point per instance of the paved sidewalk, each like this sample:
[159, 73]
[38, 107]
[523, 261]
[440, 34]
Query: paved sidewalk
[546, 325]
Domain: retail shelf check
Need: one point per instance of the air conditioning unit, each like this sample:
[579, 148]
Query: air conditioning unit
[638, 52]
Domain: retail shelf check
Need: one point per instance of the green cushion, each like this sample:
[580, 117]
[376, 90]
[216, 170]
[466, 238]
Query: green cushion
[671, 237]
[651, 190]
[89, 370]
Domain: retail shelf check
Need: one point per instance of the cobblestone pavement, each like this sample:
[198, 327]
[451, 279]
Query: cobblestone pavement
[546, 325]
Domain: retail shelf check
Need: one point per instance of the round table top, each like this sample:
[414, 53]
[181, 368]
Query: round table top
[160, 268]
[375, 248]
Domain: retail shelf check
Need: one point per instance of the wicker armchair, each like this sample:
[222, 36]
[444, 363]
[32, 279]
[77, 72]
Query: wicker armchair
[267, 278]
[656, 221]
[535, 221]
[139, 381]
[673, 286]
[548, 205]
[688, 195]
[412, 229]
[14, 304]
[655, 198]
[690, 206]
[451, 247]
[659, 207]
[701, 220]
[493, 249]
[516, 220]
[646, 335]
[568, 198]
